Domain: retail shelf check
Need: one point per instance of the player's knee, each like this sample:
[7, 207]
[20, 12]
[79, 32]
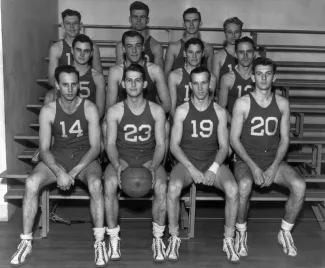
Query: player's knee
[245, 187]
[160, 189]
[95, 187]
[231, 189]
[31, 186]
[298, 186]
[174, 189]
[110, 185]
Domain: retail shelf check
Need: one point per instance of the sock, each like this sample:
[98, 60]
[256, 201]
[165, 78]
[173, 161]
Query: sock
[113, 232]
[229, 232]
[286, 225]
[157, 230]
[99, 233]
[241, 227]
[173, 231]
[26, 236]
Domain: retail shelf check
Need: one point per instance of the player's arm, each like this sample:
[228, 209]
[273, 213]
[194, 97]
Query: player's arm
[173, 78]
[209, 54]
[162, 89]
[213, 85]
[91, 114]
[223, 135]
[170, 58]
[111, 133]
[158, 52]
[112, 86]
[100, 93]
[226, 83]
[217, 59]
[119, 53]
[54, 55]
[96, 62]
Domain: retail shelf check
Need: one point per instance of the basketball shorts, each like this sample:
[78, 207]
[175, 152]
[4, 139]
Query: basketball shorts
[136, 158]
[263, 159]
[202, 160]
[69, 158]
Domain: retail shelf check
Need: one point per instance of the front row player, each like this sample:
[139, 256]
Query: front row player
[260, 137]
[199, 141]
[74, 123]
[135, 137]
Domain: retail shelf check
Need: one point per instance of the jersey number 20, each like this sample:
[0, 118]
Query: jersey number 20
[133, 129]
[261, 123]
[206, 127]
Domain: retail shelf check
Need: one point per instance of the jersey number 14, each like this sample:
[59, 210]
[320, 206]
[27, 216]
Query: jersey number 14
[74, 129]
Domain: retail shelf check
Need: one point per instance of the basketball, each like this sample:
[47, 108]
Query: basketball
[136, 181]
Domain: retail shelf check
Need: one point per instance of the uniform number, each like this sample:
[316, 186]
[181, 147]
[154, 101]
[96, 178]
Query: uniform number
[206, 128]
[245, 89]
[261, 123]
[132, 129]
[68, 58]
[74, 129]
[230, 67]
[84, 90]
[187, 91]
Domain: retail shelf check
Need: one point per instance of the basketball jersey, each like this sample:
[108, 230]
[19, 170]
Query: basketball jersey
[88, 86]
[183, 89]
[261, 129]
[136, 132]
[70, 131]
[240, 88]
[228, 65]
[200, 137]
[66, 55]
[147, 51]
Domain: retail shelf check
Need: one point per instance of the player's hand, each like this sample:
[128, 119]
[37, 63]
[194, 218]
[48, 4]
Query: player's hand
[258, 176]
[196, 175]
[209, 178]
[153, 174]
[64, 181]
[269, 176]
[119, 170]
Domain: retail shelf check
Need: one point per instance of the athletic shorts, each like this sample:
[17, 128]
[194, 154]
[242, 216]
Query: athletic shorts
[68, 158]
[202, 160]
[263, 159]
[136, 158]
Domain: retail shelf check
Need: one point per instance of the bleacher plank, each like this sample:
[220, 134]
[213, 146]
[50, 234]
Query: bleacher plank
[26, 137]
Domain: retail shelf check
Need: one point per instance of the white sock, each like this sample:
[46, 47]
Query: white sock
[241, 227]
[229, 232]
[173, 231]
[99, 233]
[26, 236]
[286, 225]
[113, 232]
[157, 230]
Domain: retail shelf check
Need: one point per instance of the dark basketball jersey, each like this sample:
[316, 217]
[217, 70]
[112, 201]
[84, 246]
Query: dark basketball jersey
[183, 89]
[88, 86]
[66, 56]
[228, 65]
[70, 131]
[136, 133]
[147, 51]
[261, 129]
[200, 137]
[240, 88]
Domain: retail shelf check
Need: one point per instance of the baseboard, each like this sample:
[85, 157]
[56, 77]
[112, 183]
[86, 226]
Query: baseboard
[6, 211]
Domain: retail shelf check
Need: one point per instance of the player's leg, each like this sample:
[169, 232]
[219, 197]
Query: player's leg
[226, 182]
[40, 177]
[91, 176]
[287, 177]
[167, 136]
[179, 179]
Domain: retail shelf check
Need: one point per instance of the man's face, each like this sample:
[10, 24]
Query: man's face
[133, 49]
[245, 54]
[138, 19]
[68, 86]
[71, 25]
[200, 85]
[233, 33]
[193, 55]
[82, 53]
[263, 76]
[134, 83]
[192, 23]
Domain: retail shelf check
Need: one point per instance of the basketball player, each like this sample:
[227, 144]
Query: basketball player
[74, 123]
[238, 82]
[260, 137]
[174, 58]
[60, 52]
[225, 60]
[139, 19]
[199, 141]
[179, 79]
[135, 137]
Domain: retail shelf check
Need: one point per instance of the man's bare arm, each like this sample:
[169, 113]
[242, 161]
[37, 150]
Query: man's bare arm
[223, 137]
[158, 52]
[113, 80]
[54, 55]
[226, 83]
[96, 62]
[170, 58]
[162, 89]
[217, 59]
[172, 86]
[209, 54]
[112, 124]
[119, 53]
[100, 93]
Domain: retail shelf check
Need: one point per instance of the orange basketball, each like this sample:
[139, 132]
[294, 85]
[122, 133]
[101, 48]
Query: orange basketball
[136, 181]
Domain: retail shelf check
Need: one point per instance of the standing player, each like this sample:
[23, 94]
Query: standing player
[74, 123]
[260, 137]
[139, 19]
[238, 82]
[136, 137]
[175, 52]
[225, 60]
[179, 79]
[199, 141]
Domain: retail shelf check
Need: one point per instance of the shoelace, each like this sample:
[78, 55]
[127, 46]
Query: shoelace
[173, 240]
[288, 238]
[230, 242]
[158, 244]
[242, 239]
[22, 246]
[99, 247]
[115, 243]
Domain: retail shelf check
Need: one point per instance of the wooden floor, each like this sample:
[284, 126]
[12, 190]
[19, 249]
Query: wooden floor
[72, 246]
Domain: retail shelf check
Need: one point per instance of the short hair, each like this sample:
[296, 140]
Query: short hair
[82, 38]
[138, 5]
[265, 62]
[233, 20]
[65, 69]
[191, 10]
[135, 67]
[244, 39]
[70, 12]
[198, 70]
[194, 41]
[132, 33]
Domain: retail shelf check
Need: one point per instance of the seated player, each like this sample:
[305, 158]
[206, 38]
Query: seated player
[179, 79]
[174, 58]
[136, 137]
[260, 137]
[199, 141]
[139, 19]
[238, 82]
[74, 123]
